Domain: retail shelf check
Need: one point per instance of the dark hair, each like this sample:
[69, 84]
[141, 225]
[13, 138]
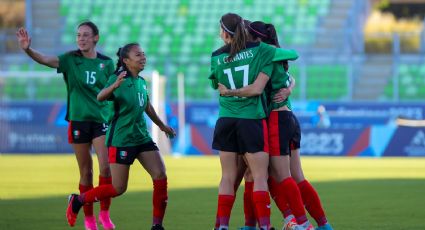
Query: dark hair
[92, 26]
[123, 53]
[233, 24]
[266, 32]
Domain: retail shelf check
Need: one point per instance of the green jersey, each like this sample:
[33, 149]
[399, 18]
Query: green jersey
[279, 79]
[241, 71]
[84, 78]
[128, 126]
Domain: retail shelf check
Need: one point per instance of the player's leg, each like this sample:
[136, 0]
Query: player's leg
[309, 195]
[85, 165]
[119, 186]
[120, 167]
[281, 130]
[104, 173]
[258, 163]
[248, 203]
[151, 160]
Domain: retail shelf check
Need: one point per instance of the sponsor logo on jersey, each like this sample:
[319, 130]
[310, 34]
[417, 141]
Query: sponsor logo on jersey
[417, 145]
[123, 154]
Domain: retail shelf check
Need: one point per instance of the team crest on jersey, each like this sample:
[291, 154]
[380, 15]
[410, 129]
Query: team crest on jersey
[101, 66]
[123, 154]
[76, 133]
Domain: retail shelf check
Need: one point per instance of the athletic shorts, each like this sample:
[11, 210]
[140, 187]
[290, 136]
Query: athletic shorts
[284, 133]
[240, 135]
[127, 155]
[80, 132]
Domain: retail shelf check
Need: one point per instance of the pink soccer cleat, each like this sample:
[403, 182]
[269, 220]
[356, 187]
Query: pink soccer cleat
[105, 220]
[90, 223]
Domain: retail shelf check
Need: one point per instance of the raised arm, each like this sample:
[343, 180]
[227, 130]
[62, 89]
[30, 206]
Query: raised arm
[106, 93]
[24, 41]
[253, 89]
[150, 111]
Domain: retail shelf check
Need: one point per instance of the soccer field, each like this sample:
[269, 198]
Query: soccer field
[357, 193]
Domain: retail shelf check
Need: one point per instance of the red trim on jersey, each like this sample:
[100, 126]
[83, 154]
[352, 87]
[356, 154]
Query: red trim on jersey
[266, 136]
[70, 139]
[274, 133]
[112, 152]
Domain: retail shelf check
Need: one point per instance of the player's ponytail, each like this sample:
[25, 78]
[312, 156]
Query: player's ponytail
[233, 24]
[123, 53]
[272, 38]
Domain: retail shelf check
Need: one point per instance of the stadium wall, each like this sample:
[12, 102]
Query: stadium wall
[357, 129]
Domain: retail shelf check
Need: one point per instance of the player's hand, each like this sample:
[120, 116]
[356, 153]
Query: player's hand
[24, 39]
[223, 89]
[168, 131]
[120, 79]
[282, 95]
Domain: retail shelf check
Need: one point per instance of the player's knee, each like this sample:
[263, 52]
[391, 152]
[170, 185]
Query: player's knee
[159, 174]
[120, 189]
[105, 171]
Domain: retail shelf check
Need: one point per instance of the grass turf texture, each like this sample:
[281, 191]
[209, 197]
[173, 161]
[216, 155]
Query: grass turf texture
[357, 193]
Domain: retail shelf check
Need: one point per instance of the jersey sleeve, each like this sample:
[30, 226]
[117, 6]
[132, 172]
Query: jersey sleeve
[63, 63]
[111, 80]
[212, 77]
[284, 54]
[267, 54]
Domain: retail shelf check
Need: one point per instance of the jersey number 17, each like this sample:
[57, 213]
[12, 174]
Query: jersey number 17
[228, 72]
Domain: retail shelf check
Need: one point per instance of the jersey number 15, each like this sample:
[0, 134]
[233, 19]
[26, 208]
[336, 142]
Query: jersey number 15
[90, 77]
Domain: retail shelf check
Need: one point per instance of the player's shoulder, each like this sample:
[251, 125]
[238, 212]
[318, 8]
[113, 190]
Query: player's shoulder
[221, 50]
[103, 57]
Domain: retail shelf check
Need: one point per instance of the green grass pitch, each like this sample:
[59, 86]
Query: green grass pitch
[357, 193]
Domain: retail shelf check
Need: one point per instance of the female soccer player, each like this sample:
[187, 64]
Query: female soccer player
[85, 73]
[241, 127]
[128, 138]
[284, 127]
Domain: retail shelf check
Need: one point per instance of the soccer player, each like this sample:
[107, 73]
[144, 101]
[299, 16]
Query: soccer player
[241, 127]
[285, 136]
[85, 73]
[128, 138]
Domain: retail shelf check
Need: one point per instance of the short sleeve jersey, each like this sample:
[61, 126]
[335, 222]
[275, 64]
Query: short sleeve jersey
[279, 79]
[84, 78]
[128, 125]
[241, 71]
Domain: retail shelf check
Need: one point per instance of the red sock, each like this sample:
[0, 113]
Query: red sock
[248, 204]
[273, 185]
[289, 188]
[225, 205]
[160, 199]
[106, 203]
[262, 208]
[312, 202]
[88, 207]
[279, 197]
[99, 193]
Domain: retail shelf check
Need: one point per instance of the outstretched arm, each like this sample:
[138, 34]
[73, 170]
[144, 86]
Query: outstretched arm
[254, 89]
[150, 111]
[24, 41]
